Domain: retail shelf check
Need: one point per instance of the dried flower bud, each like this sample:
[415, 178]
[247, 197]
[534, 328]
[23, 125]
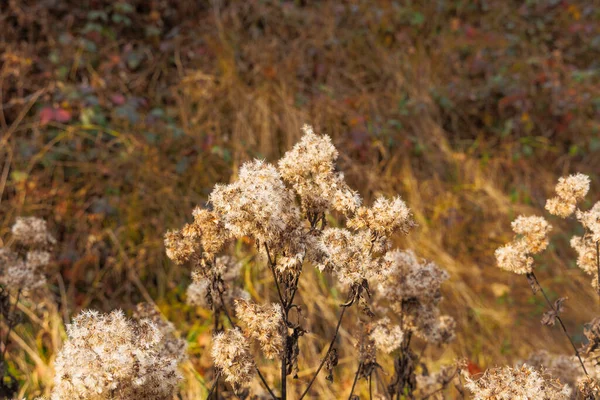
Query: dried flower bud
[517, 383]
[257, 205]
[108, 356]
[231, 354]
[569, 191]
[309, 169]
[264, 324]
[512, 258]
[32, 232]
[384, 217]
[591, 221]
[386, 336]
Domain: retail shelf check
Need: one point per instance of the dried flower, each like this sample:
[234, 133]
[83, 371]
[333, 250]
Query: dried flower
[384, 217]
[532, 238]
[202, 239]
[569, 191]
[32, 232]
[264, 324]
[26, 269]
[108, 356]
[173, 347]
[517, 383]
[586, 253]
[409, 277]
[222, 274]
[231, 354]
[349, 256]
[257, 205]
[386, 336]
[309, 169]
[513, 259]
[591, 221]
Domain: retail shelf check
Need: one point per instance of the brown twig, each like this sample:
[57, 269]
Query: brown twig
[559, 320]
[337, 329]
[355, 380]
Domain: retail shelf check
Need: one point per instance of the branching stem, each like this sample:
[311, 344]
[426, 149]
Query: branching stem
[559, 320]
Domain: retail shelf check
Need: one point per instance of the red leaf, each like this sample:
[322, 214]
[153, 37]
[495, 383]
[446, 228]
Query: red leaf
[46, 115]
[62, 115]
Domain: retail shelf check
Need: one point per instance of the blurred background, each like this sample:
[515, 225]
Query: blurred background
[118, 117]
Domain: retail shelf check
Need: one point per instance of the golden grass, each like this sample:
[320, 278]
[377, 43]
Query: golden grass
[237, 82]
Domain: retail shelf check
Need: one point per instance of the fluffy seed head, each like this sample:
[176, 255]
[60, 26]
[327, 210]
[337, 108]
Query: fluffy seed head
[517, 383]
[384, 217]
[32, 232]
[569, 191]
[108, 356]
[231, 354]
[257, 205]
[386, 336]
[264, 324]
[309, 168]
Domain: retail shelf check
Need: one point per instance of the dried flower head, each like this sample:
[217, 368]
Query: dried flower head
[564, 367]
[202, 239]
[257, 205]
[532, 238]
[32, 232]
[591, 221]
[173, 347]
[26, 268]
[108, 356]
[569, 191]
[513, 259]
[264, 324]
[533, 231]
[586, 253]
[231, 354]
[349, 255]
[386, 336]
[408, 277]
[384, 217]
[207, 282]
[517, 383]
[309, 169]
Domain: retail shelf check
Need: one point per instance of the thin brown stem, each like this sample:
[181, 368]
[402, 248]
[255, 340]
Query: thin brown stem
[355, 380]
[262, 378]
[370, 387]
[213, 388]
[272, 268]
[11, 324]
[337, 329]
[559, 320]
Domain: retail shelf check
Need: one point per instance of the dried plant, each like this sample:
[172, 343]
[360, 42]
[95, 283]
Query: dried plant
[532, 238]
[517, 383]
[23, 269]
[107, 356]
[284, 210]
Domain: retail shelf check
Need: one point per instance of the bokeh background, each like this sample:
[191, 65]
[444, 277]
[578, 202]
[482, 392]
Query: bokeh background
[118, 117]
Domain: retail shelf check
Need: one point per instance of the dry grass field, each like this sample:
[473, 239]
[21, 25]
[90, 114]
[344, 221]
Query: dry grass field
[118, 118]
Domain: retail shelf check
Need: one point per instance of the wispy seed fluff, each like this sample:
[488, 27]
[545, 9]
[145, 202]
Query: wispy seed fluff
[532, 238]
[348, 255]
[173, 347]
[108, 356]
[32, 232]
[591, 221]
[26, 267]
[386, 336]
[257, 205]
[309, 168]
[569, 191]
[203, 238]
[231, 354]
[200, 292]
[263, 324]
[517, 383]
[384, 217]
